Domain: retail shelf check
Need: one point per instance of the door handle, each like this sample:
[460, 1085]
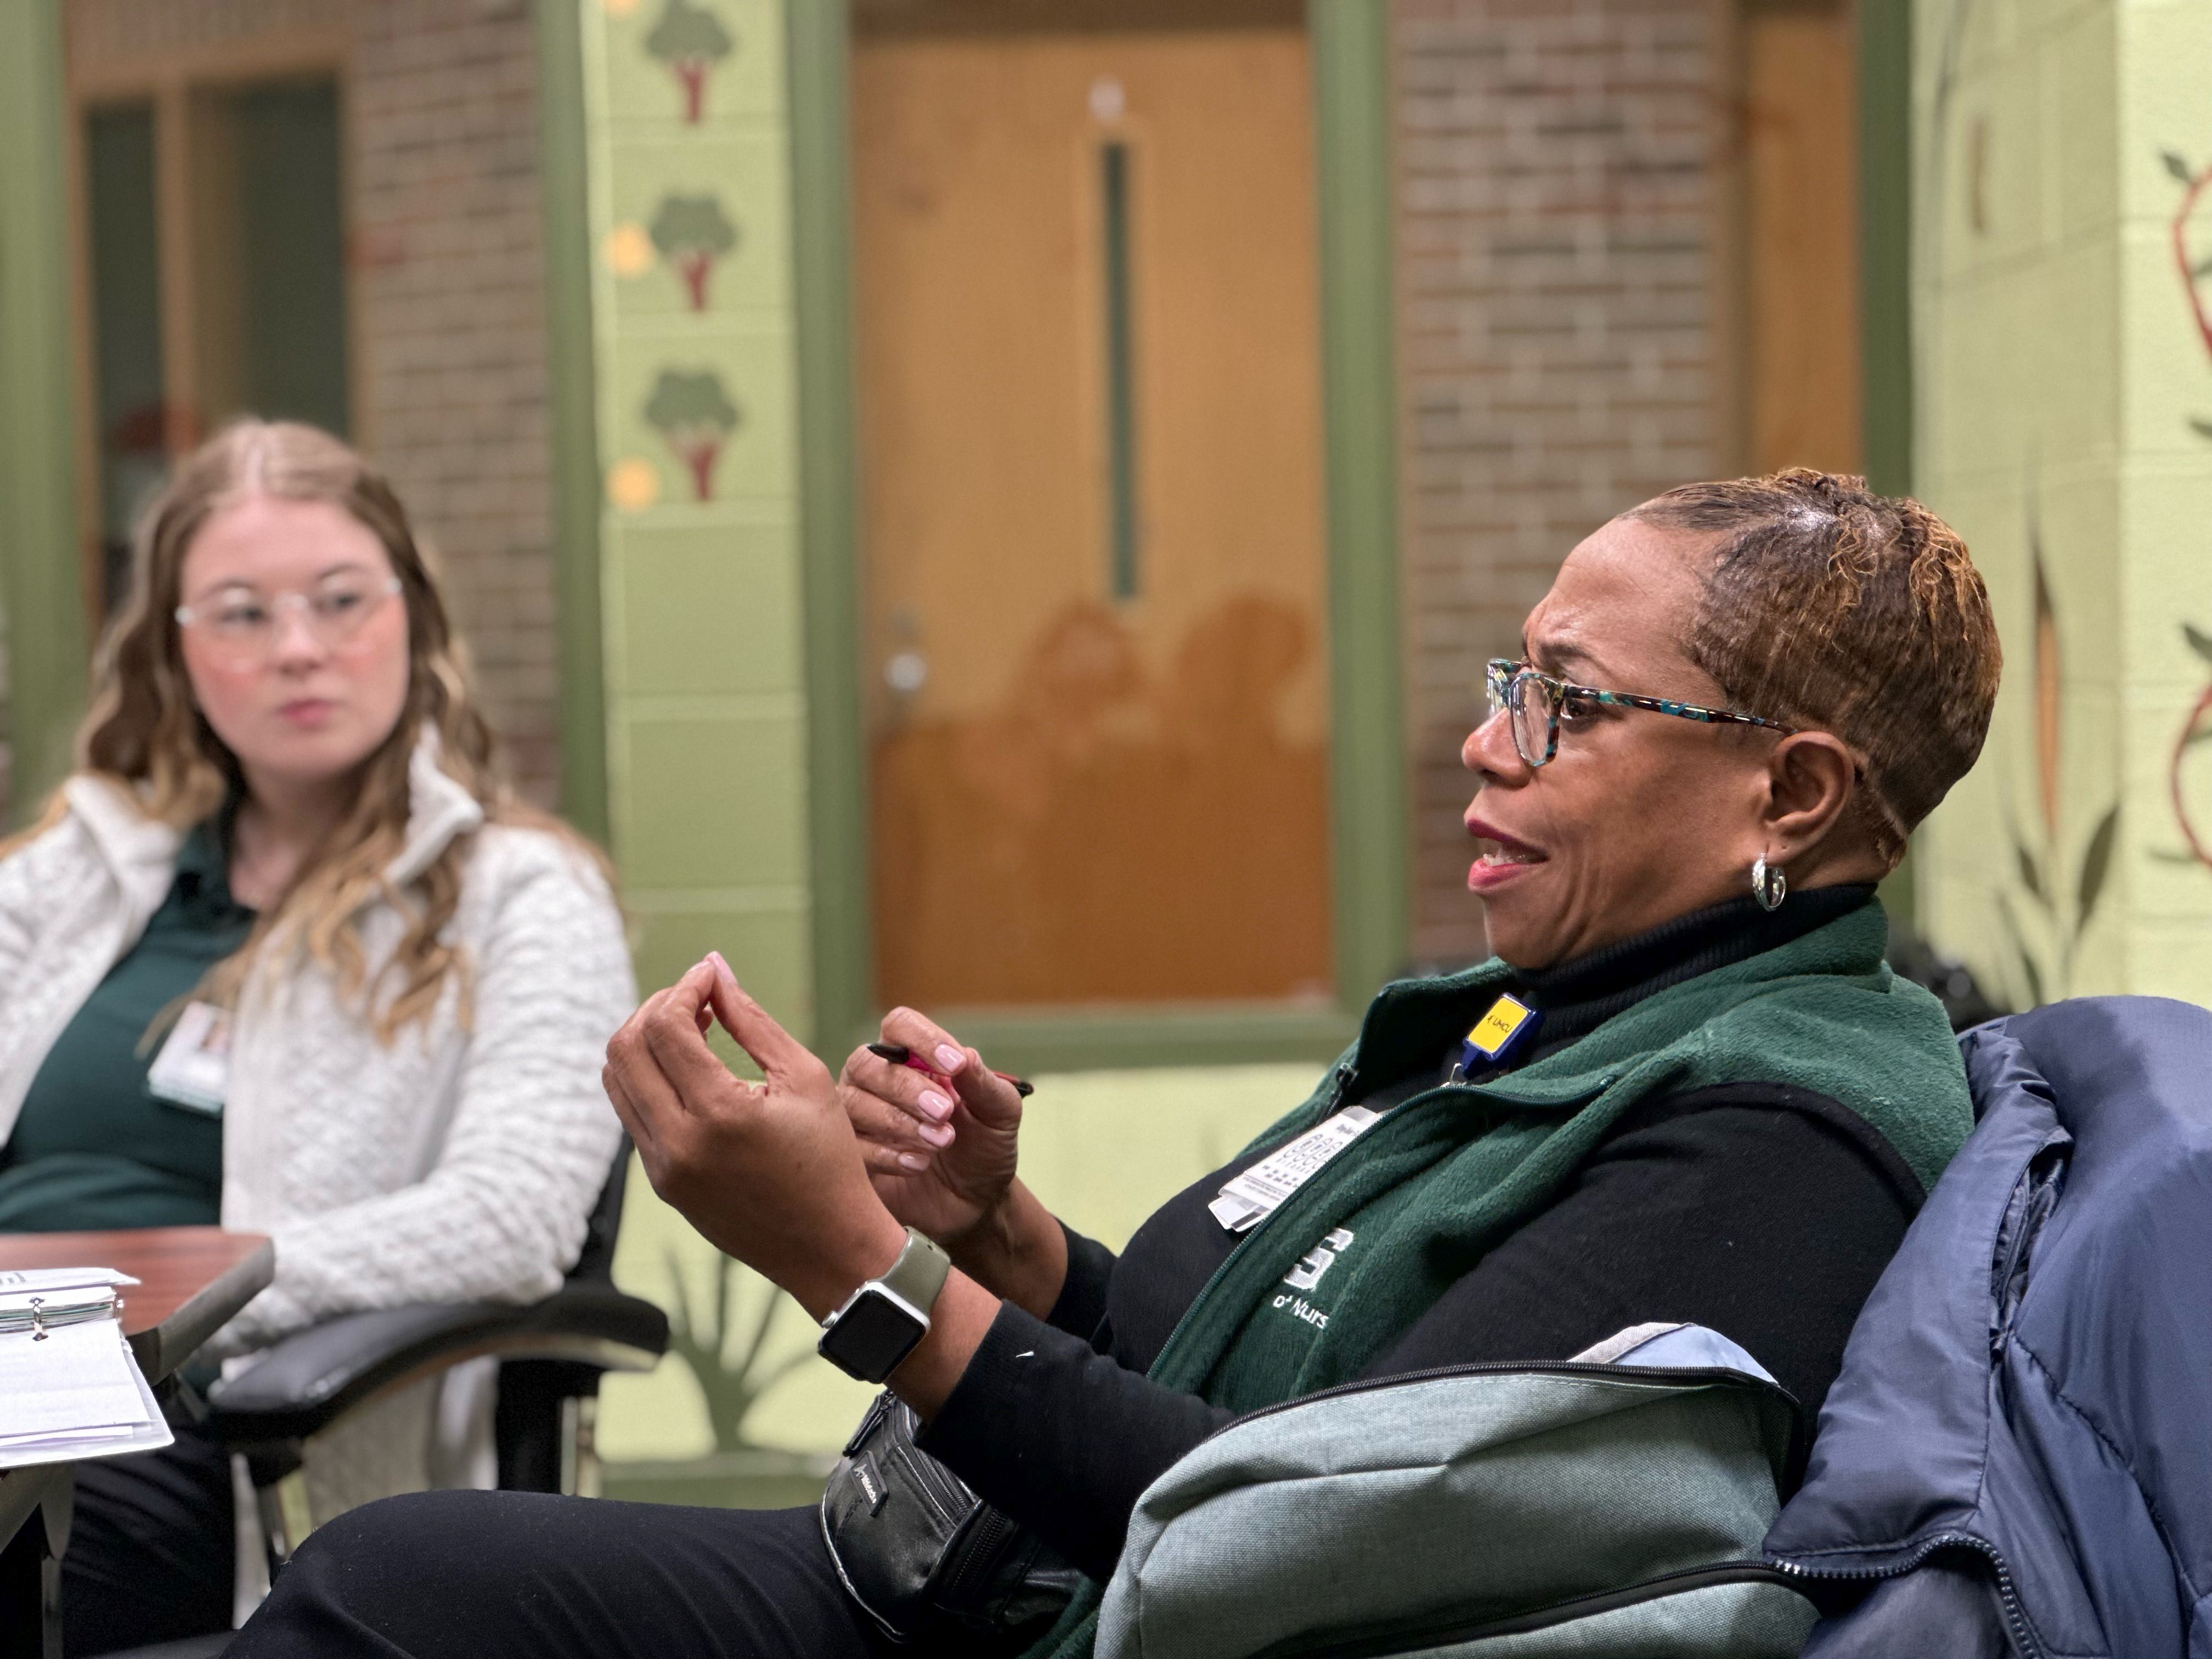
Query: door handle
[906, 674]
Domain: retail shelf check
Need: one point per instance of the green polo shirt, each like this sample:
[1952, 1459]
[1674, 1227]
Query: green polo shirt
[93, 1148]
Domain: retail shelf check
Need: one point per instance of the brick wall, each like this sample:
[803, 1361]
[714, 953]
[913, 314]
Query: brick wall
[445, 267]
[1556, 270]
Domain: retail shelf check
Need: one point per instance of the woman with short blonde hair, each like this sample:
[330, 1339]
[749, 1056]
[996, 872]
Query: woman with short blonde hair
[285, 954]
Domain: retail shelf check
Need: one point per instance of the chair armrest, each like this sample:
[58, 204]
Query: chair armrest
[300, 1386]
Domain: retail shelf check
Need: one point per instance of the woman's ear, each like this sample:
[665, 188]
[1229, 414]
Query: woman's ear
[1811, 777]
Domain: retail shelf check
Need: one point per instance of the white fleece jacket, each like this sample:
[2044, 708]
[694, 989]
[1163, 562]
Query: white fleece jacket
[459, 1163]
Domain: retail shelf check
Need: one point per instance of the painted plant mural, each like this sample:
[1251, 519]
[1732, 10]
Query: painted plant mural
[691, 232]
[733, 1376]
[690, 39]
[2196, 732]
[2195, 271]
[692, 412]
[2062, 900]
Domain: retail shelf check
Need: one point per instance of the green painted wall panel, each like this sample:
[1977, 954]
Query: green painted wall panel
[1370, 784]
[706, 609]
[750, 459]
[765, 945]
[710, 799]
[829, 486]
[641, 90]
[741, 175]
[564, 171]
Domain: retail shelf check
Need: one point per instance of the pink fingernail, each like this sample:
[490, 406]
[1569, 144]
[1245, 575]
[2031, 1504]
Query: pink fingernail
[912, 1161]
[950, 1058]
[935, 1104]
[936, 1134]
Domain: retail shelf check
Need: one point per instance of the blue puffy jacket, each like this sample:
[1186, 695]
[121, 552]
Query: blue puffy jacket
[2017, 1457]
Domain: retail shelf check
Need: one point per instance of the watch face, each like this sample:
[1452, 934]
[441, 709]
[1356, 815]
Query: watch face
[871, 1335]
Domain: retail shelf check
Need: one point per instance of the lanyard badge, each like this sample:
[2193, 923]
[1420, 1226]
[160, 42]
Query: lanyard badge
[193, 1068]
[1506, 1025]
[1250, 1199]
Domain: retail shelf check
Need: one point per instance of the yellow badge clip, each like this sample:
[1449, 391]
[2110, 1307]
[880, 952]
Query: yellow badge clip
[1490, 1038]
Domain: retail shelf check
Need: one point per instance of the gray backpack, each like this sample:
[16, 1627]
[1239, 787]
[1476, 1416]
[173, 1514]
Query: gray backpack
[1607, 1507]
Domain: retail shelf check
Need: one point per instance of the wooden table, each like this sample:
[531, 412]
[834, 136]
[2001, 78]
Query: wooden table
[195, 1278]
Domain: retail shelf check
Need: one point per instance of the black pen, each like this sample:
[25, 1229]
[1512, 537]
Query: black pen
[899, 1054]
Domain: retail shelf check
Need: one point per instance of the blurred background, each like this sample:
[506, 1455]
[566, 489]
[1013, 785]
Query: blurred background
[1001, 504]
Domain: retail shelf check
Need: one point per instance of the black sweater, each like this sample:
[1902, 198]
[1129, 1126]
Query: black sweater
[1762, 1211]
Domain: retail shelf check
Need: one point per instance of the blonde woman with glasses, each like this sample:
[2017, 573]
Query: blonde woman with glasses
[283, 954]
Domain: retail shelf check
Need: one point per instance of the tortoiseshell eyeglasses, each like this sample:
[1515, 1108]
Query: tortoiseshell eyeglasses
[1536, 699]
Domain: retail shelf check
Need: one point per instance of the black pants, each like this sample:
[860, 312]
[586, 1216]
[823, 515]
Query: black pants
[151, 1551]
[476, 1575]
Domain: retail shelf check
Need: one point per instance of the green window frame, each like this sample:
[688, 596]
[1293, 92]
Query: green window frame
[1349, 44]
[573, 423]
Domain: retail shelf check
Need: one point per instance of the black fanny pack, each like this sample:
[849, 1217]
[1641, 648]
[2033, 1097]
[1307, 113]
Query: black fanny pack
[923, 1555]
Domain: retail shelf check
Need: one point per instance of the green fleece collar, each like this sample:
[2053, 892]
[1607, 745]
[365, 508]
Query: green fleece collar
[1875, 1044]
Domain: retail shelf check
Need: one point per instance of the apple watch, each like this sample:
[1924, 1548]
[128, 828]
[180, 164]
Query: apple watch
[884, 1320]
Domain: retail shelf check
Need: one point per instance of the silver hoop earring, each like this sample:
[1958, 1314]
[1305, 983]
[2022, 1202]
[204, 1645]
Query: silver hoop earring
[1770, 884]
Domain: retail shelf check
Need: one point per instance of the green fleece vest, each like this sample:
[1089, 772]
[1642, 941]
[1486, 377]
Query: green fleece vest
[1823, 1012]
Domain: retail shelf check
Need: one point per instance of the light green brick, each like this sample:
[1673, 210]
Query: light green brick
[742, 173]
[753, 455]
[714, 801]
[745, 85]
[707, 610]
[767, 949]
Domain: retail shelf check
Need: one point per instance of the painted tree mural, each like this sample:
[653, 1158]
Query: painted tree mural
[2194, 182]
[690, 39]
[731, 1377]
[691, 232]
[695, 414]
[2194, 271]
[2196, 731]
[2066, 908]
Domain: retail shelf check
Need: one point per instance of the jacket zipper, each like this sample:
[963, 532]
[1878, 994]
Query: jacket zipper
[2023, 1634]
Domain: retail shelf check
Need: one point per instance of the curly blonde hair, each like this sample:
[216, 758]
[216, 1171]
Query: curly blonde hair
[144, 732]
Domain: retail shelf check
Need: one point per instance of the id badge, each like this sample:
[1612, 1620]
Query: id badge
[1250, 1199]
[193, 1068]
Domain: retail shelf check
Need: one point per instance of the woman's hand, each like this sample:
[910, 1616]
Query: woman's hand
[769, 1172]
[942, 1155]
[940, 1150]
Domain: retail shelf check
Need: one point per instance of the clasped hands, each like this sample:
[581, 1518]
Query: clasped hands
[810, 1180]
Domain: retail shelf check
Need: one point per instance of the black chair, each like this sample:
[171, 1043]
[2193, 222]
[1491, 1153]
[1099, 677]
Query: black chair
[552, 1355]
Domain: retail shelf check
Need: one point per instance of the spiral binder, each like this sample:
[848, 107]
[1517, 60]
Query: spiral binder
[69, 1386]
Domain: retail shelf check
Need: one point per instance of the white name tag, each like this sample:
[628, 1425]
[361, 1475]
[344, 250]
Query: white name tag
[193, 1068]
[1253, 1196]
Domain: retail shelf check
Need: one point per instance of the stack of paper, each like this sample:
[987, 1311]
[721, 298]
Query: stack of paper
[68, 1387]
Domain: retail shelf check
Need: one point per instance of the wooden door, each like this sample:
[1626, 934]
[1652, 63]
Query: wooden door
[1096, 655]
